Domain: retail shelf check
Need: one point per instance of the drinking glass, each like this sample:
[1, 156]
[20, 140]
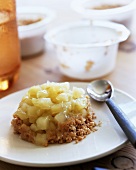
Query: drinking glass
[9, 45]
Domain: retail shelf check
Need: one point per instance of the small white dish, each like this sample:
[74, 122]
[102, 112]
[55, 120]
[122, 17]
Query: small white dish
[31, 32]
[108, 139]
[120, 11]
[87, 50]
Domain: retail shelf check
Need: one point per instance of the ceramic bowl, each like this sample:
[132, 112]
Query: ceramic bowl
[87, 50]
[120, 11]
[32, 23]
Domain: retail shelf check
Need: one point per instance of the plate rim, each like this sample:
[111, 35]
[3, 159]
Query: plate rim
[64, 163]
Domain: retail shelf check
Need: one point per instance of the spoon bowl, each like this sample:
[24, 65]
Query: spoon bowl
[100, 90]
[103, 91]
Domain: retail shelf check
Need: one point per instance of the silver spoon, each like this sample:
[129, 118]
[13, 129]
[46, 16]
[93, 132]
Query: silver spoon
[102, 91]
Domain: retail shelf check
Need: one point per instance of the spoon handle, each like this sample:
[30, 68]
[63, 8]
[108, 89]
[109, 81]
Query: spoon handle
[124, 122]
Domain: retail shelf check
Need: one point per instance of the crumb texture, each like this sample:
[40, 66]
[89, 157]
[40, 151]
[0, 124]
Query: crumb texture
[54, 113]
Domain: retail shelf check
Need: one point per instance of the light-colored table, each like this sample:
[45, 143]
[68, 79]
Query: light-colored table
[43, 67]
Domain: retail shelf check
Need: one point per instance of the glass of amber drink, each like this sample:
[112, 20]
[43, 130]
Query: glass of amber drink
[9, 45]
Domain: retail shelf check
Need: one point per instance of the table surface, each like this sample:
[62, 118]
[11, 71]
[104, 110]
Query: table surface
[38, 69]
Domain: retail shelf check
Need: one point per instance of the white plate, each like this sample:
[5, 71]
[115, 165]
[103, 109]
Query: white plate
[108, 139]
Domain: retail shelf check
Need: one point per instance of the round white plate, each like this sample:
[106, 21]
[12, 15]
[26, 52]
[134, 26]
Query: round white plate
[108, 139]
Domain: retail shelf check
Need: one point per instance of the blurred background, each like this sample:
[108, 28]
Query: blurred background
[61, 7]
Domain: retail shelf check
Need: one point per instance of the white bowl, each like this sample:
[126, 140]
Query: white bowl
[122, 14]
[31, 35]
[87, 50]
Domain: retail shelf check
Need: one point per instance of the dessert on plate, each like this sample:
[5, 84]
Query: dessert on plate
[54, 113]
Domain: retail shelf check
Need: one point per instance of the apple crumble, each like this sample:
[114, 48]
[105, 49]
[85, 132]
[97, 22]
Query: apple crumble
[54, 113]
[106, 6]
[23, 22]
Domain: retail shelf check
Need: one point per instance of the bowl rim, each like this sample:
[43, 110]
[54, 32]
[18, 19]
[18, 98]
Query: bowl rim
[122, 31]
[77, 5]
[49, 13]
